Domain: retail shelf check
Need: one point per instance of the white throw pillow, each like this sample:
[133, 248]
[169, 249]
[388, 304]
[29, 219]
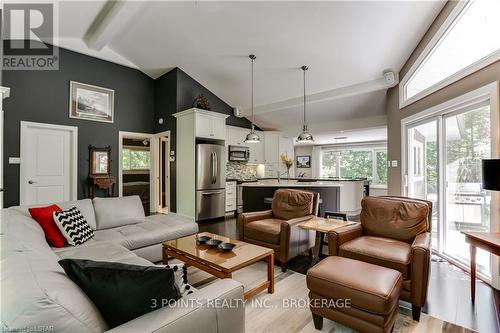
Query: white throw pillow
[73, 226]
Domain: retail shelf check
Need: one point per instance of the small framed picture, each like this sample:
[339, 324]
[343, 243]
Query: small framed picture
[91, 102]
[304, 161]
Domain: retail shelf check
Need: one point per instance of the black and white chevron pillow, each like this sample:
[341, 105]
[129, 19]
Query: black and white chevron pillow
[73, 226]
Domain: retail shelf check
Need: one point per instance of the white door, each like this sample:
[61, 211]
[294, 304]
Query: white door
[1, 150]
[48, 163]
[4, 93]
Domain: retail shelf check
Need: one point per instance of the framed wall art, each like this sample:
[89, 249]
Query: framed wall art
[304, 161]
[90, 102]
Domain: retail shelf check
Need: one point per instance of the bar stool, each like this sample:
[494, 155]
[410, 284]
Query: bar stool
[268, 202]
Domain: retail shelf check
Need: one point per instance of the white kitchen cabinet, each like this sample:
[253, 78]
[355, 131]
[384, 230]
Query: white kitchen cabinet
[236, 135]
[274, 146]
[230, 196]
[257, 150]
[210, 125]
[271, 147]
[219, 128]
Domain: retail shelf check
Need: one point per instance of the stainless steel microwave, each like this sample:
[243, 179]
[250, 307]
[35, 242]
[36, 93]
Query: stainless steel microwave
[239, 153]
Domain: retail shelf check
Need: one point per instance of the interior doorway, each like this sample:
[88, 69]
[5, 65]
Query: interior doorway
[162, 187]
[144, 169]
[135, 158]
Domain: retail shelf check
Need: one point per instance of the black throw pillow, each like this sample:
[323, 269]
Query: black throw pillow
[122, 292]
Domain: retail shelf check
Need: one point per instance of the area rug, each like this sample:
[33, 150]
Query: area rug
[286, 310]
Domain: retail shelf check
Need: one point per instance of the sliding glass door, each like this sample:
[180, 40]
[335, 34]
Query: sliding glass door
[467, 141]
[442, 164]
[422, 175]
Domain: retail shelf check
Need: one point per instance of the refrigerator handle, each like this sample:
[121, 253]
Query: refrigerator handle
[215, 167]
[212, 159]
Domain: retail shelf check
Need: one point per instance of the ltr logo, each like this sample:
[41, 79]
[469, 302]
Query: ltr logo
[29, 37]
[29, 29]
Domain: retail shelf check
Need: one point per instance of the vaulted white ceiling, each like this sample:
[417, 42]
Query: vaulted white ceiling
[347, 46]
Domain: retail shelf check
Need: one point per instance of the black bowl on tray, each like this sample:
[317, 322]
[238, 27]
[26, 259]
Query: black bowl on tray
[213, 242]
[202, 239]
[226, 247]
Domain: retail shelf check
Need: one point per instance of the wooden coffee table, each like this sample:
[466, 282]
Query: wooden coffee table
[221, 264]
[322, 226]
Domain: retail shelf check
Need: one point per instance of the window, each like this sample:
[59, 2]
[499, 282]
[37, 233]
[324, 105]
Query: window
[466, 42]
[370, 163]
[356, 164]
[135, 159]
[380, 167]
[329, 164]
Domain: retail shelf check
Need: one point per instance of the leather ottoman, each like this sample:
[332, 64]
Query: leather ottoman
[353, 293]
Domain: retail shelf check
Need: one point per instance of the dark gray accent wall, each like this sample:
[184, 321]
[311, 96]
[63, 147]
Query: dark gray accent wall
[43, 96]
[165, 107]
[175, 91]
[187, 90]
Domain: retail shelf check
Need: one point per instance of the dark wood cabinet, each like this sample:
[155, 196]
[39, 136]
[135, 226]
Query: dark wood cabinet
[100, 171]
[106, 183]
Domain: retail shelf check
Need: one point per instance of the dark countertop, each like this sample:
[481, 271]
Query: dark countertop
[315, 179]
[300, 180]
[295, 178]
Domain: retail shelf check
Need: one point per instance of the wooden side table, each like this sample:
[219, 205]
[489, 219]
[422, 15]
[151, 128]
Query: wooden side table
[488, 241]
[106, 183]
[322, 226]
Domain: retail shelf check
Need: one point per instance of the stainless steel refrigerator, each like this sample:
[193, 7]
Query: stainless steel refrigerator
[210, 181]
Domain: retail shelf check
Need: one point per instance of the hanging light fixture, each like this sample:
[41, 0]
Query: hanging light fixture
[252, 137]
[305, 136]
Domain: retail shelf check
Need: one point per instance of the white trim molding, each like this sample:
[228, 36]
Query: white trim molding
[5, 92]
[429, 48]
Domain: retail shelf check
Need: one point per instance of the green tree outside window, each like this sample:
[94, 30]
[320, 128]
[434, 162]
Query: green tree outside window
[135, 159]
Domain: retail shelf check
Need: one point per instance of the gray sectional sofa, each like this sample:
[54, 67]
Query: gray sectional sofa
[35, 291]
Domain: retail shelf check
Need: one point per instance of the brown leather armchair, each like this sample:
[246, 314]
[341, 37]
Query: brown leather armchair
[394, 232]
[277, 228]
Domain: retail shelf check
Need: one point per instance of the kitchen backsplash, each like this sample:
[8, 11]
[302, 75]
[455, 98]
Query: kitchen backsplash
[241, 170]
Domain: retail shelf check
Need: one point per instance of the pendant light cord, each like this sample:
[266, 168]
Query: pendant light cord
[304, 69]
[251, 103]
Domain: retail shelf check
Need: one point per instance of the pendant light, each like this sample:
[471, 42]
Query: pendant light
[305, 136]
[252, 137]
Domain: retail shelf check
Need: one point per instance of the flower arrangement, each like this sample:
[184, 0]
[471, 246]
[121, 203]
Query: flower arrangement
[287, 161]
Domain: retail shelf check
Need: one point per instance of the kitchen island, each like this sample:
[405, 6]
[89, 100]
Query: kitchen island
[337, 196]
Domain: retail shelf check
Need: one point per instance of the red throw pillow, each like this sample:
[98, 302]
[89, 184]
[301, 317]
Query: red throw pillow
[44, 217]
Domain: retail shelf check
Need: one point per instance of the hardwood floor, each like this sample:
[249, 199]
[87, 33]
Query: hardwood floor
[449, 288]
